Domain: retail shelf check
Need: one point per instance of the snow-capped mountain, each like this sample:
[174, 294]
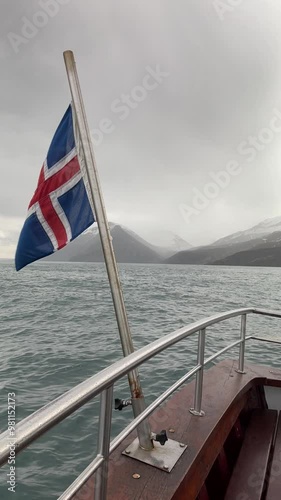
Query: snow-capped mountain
[165, 243]
[261, 243]
[94, 230]
[264, 228]
[128, 247]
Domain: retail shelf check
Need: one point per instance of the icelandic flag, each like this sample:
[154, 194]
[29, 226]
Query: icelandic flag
[60, 209]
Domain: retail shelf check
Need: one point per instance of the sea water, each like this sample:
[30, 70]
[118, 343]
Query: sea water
[58, 328]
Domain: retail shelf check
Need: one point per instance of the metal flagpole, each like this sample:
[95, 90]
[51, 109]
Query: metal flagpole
[138, 403]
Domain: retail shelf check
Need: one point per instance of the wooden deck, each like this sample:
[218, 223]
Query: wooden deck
[228, 401]
[249, 478]
[274, 480]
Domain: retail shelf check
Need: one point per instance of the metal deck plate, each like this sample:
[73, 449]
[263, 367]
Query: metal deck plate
[163, 457]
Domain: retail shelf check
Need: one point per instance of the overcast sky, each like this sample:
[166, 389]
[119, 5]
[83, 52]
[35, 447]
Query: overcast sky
[218, 85]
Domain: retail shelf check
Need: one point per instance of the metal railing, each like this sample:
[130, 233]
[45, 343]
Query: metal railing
[34, 426]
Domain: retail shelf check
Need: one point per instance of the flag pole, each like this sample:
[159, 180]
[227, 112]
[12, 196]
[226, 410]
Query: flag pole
[138, 403]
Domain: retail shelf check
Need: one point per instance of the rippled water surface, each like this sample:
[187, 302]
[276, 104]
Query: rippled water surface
[58, 328]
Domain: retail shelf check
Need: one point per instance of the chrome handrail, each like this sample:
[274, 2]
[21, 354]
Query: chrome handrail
[35, 425]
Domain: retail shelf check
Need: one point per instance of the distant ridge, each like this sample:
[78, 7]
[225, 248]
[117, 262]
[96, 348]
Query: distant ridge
[266, 252]
[260, 245]
[264, 228]
[257, 246]
[129, 247]
[265, 257]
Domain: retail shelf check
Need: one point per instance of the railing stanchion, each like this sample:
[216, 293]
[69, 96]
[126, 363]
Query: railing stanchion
[242, 345]
[199, 376]
[105, 418]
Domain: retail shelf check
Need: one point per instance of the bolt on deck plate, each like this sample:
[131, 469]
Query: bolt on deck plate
[163, 457]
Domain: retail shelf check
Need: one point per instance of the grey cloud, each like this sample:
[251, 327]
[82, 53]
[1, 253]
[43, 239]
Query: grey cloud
[224, 83]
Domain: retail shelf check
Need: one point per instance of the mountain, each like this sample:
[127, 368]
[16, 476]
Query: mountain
[264, 228]
[128, 247]
[257, 246]
[211, 253]
[267, 234]
[267, 253]
[166, 243]
[162, 252]
[266, 257]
